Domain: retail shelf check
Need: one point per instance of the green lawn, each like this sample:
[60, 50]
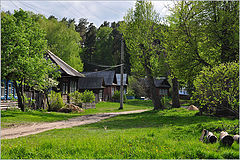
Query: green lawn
[10, 118]
[165, 134]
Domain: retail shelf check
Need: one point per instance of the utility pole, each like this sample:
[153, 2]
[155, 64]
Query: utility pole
[121, 87]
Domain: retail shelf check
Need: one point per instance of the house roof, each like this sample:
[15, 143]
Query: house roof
[90, 83]
[65, 68]
[109, 76]
[125, 81]
[161, 83]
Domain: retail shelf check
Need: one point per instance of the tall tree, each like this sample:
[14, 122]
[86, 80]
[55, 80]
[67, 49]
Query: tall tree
[22, 53]
[103, 53]
[81, 28]
[141, 31]
[202, 34]
[89, 47]
[63, 41]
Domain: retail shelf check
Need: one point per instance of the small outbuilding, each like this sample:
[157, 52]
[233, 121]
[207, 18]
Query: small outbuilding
[95, 84]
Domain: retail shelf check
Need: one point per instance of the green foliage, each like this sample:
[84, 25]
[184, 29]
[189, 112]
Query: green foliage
[168, 134]
[22, 53]
[135, 85]
[88, 96]
[217, 88]
[141, 30]
[166, 101]
[201, 33]
[55, 101]
[76, 97]
[130, 93]
[63, 41]
[116, 96]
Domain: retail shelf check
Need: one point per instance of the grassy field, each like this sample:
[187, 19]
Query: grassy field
[17, 117]
[165, 134]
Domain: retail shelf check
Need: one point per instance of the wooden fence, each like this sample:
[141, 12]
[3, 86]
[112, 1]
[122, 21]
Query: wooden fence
[8, 104]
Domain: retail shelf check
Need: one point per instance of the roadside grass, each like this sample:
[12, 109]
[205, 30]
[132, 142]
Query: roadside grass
[11, 118]
[164, 134]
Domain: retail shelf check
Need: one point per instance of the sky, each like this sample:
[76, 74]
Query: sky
[94, 11]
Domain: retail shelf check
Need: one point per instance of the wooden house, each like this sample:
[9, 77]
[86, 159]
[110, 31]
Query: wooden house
[125, 82]
[109, 80]
[7, 90]
[68, 82]
[162, 86]
[95, 84]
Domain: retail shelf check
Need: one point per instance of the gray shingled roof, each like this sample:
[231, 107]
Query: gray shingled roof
[161, 83]
[107, 75]
[65, 68]
[90, 83]
[118, 76]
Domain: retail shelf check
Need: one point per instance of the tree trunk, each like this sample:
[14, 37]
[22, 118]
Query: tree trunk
[20, 98]
[175, 94]
[155, 98]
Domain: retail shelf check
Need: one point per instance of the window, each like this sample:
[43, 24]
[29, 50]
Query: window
[163, 92]
[101, 95]
[10, 90]
[2, 89]
[112, 91]
[65, 88]
[73, 86]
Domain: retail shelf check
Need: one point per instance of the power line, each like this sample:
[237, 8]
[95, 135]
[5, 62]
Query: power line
[67, 8]
[104, 66]
[14, 4]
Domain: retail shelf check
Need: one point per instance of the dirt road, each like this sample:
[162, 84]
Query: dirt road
[24, 130]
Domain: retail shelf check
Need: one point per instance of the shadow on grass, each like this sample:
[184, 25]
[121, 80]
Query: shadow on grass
[151, 119]
[137, 102]
[21, 115]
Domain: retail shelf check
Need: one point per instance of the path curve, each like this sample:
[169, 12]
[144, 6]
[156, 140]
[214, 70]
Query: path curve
[24, 130]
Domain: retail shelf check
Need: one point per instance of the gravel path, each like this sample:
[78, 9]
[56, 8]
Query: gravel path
[24, 130]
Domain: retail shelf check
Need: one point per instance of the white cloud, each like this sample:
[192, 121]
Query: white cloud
[95, 11]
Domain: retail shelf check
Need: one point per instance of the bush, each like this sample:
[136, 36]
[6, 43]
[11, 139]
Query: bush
[88, 96]
[130, 93]
[137, 86]
[217, 89]
[76, 97]
[55, 101]
[116, 96]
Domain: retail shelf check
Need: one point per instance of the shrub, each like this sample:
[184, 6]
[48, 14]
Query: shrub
[217, 89]
[76, 97]
[116, 96]
[55, 101]
[88, 96]
[130, 93]
[137, 86]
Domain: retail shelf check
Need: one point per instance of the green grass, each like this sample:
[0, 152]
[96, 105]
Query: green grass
[165, 134]
[17, 117]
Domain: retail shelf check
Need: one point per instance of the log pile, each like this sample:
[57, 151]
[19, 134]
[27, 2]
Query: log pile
[225, 139]
[209, 136]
